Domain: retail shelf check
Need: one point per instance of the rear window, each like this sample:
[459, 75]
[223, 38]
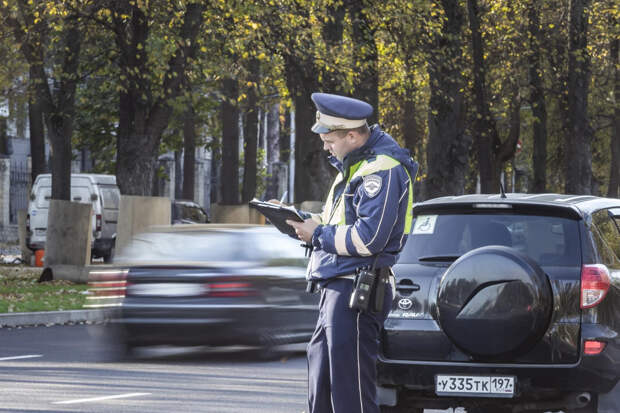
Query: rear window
[110, 196]
[80, 194]
[219, 246]
[551, 241]
[192, 213]
[606, 231]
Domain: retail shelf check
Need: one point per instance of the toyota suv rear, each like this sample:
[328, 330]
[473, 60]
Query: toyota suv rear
[505, 304]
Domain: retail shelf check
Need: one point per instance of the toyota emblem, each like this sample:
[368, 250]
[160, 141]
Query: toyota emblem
[405, 304]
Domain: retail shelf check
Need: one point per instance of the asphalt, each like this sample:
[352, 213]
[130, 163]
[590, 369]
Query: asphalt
[49, 318]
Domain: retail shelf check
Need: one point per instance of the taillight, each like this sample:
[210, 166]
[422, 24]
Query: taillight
[98, 223]
[593, 347]
[107, 288]
[28, 223]
[594, 284]
[229, 289]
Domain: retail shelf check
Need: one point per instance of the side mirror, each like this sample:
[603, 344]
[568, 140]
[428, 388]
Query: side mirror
[32, 197]
[94, 197]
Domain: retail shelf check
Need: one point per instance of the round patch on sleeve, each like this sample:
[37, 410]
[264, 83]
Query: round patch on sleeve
[372, 185]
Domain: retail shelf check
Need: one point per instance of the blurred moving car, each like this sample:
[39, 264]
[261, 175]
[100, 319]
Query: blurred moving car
[215, 285]
[187, 212]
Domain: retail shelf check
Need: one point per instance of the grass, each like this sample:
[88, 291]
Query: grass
[20, 292]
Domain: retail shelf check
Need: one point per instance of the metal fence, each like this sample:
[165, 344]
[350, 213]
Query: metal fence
[19, 189]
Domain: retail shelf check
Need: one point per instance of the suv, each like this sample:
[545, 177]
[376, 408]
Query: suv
[505, 304]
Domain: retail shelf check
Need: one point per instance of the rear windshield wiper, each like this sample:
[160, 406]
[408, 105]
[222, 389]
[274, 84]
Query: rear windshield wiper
[443, 258]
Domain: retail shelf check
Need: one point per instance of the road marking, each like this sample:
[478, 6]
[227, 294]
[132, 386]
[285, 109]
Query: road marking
[96, 399]
[27, 356]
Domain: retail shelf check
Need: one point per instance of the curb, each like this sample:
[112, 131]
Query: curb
[49, 318]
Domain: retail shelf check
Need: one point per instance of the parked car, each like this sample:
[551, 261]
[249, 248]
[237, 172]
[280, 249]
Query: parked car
[505, 305]
[99, 190]
[188, 212]
[214, 285]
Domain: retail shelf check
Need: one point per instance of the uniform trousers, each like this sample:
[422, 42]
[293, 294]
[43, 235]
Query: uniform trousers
[342, 353]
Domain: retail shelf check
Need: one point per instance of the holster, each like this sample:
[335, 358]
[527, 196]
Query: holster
[311, 287]
[383, 278]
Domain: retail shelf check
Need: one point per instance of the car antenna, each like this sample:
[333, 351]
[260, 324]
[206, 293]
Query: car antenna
[501, 189]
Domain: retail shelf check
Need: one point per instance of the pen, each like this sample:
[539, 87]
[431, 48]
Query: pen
[283, 196]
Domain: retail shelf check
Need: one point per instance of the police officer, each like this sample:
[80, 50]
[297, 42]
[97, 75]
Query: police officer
[365, 222]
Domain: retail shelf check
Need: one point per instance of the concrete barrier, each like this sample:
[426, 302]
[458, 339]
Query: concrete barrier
[69, 232]
[10, 320]
[137, 213]
[235, 214]
[74, 273]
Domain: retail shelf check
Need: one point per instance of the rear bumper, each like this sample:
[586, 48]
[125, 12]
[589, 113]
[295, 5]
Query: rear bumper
[591, 373]
[208, 325]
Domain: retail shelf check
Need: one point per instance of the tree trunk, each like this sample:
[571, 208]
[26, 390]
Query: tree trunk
[332, 36]
[250, 138]
[4, 138]
[189, 153]
[448, 146]
[537, 101]
[578, 164]
[313, 173]
[58, 107]
[507, 149]
[285, 136]
[143, 116]
[230, 143]
[485, 131]
[37, 131]
[408, 124]
[614, 172]
[61, 158]
[60, 121]
[366, 83]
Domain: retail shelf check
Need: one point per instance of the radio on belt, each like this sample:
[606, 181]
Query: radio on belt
[362, 288]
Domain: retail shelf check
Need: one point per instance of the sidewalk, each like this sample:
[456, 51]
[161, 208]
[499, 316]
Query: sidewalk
[47, 318]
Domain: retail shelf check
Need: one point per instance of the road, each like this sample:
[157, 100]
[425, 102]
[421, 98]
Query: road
[79, 368]
[76, 369]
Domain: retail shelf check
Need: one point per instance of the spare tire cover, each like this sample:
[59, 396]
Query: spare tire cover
[494, 302]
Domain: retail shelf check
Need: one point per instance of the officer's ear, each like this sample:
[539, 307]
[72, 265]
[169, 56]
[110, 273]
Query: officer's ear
[353, 137]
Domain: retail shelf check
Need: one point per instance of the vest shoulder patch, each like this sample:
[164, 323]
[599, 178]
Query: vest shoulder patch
[372, 185]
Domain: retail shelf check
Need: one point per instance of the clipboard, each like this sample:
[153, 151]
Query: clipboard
[277, 215]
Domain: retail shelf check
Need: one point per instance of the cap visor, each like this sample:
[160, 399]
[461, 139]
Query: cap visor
[320, 128]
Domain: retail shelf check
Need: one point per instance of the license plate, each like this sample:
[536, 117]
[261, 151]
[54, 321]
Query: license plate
[167, 289]
[474, 386]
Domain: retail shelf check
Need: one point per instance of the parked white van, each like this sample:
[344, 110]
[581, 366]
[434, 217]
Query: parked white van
[98, 189]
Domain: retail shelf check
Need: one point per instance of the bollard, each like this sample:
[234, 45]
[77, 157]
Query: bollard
[39, 258]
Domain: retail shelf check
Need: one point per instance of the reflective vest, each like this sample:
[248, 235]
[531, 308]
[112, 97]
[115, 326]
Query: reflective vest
[336, 214]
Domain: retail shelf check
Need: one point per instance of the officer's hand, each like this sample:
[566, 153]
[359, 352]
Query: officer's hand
[304, 230]
[275, 201]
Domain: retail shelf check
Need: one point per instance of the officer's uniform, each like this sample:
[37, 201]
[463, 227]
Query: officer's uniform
[366, 219]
